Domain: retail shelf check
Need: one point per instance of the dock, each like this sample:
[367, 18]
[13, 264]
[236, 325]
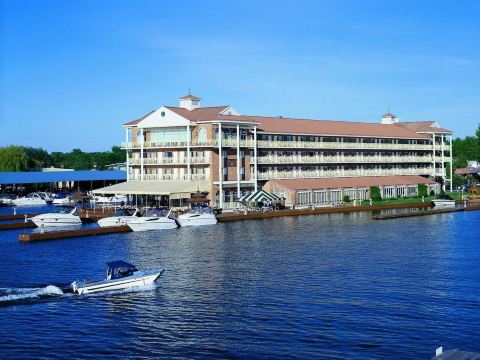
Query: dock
[63, 234]
[321, 210]
[424, 212]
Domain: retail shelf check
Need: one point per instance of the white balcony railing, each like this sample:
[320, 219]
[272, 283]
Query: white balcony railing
[162, 161]
[342, 159]
[339, 145]
[298, 174]
[202, 177]
[182, 144]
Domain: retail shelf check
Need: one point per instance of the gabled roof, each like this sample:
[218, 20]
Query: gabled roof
[135, 122]
[423, 126]
[199, 114]
[389, 115]
[190, 97]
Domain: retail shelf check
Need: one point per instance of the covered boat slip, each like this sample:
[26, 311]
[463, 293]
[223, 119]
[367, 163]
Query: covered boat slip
[178, 192]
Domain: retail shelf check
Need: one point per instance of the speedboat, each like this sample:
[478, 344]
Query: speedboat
[57, 219]
[121, 217]
[120, 275]
[61, 199]
[197, 216]
[154, 219]
[48, 197]
[444, 201]
[7, 199]
[109, 200]
[30, 199]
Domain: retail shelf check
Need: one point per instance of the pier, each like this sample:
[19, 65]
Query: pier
[425, 212]
[64, 234]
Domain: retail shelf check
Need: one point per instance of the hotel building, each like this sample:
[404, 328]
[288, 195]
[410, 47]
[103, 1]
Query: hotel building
[175, 150]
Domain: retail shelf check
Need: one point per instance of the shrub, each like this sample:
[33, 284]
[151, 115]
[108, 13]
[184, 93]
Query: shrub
[432, 193]
[375, 193]
[422, 190]
[346, 198]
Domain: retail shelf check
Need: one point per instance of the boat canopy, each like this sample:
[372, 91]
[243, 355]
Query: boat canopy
[260, 195]
[118, 269]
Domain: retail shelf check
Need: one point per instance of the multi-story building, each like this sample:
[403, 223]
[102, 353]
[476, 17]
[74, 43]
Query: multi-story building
[174, 150]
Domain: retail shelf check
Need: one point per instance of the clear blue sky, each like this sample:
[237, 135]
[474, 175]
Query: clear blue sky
[72, 72]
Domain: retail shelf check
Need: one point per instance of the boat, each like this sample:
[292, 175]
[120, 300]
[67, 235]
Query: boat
[109, 200]
[120, 275]
[197, 216]
[154, 219]
[30, 199]
[121, 217]
[48, 197]
[7, 199]
[57, 219]
[61, 199]
[443, 201]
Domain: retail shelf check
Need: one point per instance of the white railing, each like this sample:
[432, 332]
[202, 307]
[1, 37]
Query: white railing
[339, 145]
[194, 143]
[341, 159]
[169, 177]
[298, 174]
[160, 161]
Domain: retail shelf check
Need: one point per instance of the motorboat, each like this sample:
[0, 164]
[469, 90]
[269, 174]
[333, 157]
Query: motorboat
[197, 216]
[7, 199]
[120, 275]
[61, 199]
[443, 201]
[121, 217]
[48, 197]
[30, 199]
[109, 200]
[57, 219]
[154, 219]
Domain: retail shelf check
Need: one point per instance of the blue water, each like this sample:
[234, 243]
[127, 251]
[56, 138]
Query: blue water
[322, 286]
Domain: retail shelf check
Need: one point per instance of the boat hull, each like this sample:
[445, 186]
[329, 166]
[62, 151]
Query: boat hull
[186, 220]
[143, 279]
[115, 221]
[29, 202]
[443, 203]
[146, 224]
[48, 220]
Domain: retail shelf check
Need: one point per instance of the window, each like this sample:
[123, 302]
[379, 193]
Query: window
[202, 135]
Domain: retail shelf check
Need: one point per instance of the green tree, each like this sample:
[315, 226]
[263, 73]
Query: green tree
[13, 158]
[422, 190]
[375, 194]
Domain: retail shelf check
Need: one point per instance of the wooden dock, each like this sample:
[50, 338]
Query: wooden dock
[63, 234]
[15, 217]
[424, 212]
[18, 225]
[324, 210]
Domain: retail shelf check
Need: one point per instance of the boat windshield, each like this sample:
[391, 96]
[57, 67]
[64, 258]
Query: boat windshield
[60, 196]
[124, 212]
[201, 209]
[158, 212]
[119, 269]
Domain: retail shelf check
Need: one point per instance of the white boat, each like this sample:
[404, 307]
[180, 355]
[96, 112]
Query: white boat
[154, 219]
[444, 202]
[109, 200]
[48, 197]
[57, 219]
[7, 199]
[120, 275]
[121, 217]
[61, 199]
[197, 216]
[30, 199]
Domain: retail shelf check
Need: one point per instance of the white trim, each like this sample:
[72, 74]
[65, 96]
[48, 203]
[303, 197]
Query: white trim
[126, 152]
[238, 160]
[142, 144]
[220, 165]
[255, 156]
[189, 170]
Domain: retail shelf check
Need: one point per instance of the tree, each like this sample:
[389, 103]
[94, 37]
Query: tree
[13, 158]
[422, 190]
[375, 193]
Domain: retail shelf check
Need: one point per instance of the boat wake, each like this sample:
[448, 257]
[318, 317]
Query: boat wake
[8, 295]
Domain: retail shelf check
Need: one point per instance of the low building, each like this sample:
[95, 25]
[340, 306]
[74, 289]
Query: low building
[317, 192]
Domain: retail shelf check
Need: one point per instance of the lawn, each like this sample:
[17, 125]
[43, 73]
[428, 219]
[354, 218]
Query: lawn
[414, 200]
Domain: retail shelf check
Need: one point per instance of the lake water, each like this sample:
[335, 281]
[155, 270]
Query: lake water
[322, 286]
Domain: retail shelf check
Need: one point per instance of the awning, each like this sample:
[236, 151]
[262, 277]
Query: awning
[154, 187]
[260, 195]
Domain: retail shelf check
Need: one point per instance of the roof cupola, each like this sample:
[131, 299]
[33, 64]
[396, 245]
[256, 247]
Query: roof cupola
[189, 101]
[389, 119]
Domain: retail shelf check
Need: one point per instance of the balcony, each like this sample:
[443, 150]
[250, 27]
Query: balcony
[229, 142]
[201, 177]
[298, 174]
[339, 145]
[341, 159]
[168, 161]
